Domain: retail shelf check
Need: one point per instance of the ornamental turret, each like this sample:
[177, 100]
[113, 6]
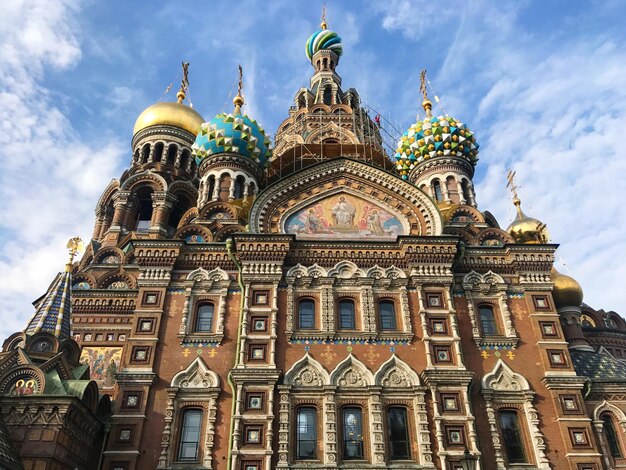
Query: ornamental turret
[325, 121]
[231, 152]
[438, 155]
[163, 135]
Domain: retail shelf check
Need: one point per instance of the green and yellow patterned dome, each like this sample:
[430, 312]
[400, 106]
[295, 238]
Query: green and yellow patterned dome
[434, 137]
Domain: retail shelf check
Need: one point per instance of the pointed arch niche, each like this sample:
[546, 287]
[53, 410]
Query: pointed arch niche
[210, 288]
[505, 389]
[377, 205]
[196, 387]
[351, 384]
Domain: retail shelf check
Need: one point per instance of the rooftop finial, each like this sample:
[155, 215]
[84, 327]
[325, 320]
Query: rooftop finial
[184, 83]
[74, 246]
[426, 104]
[323, 23]
[513, 187]
[238, 100]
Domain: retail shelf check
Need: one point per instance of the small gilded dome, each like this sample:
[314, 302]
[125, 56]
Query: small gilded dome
[169, 114]
[433, 137]
[566, 291]
[323, 39]
[525, 229]
[236, 133]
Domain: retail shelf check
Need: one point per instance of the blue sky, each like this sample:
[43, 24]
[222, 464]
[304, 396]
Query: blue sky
[541, 84]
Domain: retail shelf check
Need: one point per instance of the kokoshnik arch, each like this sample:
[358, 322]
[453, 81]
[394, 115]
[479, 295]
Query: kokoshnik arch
[311, 302]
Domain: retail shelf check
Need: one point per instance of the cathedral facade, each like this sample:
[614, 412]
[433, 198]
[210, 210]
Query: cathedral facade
[311, 303]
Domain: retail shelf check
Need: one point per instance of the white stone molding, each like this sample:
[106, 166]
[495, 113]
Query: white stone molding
[503, 387]
[598, 425]
[196, 386]
[488, 287]
[395, 373]
[307, 372]
[351, 373]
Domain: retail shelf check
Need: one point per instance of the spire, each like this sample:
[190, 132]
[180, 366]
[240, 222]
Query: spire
[54, 312]
[238, 100]
[184, 83]
[323, 23]
[426, 104]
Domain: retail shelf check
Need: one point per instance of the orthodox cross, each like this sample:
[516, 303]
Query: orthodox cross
[74, 245]
[240, 84]
[184, 84]
[423, 84]
[323, 23]
[511, 184]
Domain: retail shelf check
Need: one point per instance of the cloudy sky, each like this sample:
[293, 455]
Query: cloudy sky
[541, 83]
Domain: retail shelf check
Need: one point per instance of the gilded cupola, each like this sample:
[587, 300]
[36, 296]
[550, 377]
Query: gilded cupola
[566, 292]
[174, 114]
[525, 229]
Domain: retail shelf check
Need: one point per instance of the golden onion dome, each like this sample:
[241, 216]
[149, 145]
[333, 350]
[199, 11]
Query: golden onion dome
[566, 291]
[172, 114]
[525, 229]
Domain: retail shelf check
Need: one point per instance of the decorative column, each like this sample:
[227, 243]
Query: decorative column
[459, 187]
[330, 428]
[162, 204]
[120, 202]
[284, 411]
[376, 419]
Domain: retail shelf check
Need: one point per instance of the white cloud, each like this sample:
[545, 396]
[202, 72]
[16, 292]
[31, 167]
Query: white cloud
[553, 109]
[51, 178]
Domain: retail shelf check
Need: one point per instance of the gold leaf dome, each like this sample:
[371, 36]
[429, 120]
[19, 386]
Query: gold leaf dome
[566, 292]
[175, 114]
[525, 229]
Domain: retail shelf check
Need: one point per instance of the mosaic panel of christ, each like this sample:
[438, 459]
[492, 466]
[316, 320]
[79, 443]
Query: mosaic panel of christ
[343, 216]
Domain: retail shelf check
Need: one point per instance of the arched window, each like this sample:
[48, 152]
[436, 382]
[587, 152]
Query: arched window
[211, 187]
[239, 182]
[397, 424]
[487, 320]
[306, 314]
[347, 320]
[176, 213]
[306, 433]
[512, 436]
[328, 95]
[387, 315]
[144, 212]
[158, 152]
[184, 159]
[612, 439]
[172, 150]
[190, 435]
[352, 434]
[437, 191]
[204, 318]
[145, 153]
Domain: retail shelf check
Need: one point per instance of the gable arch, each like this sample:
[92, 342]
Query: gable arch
[604, 407]
[395, 373]
[351, 373]
[149, 178]
[307, 372]
[413, 208]
[196, 376]
[502, 378]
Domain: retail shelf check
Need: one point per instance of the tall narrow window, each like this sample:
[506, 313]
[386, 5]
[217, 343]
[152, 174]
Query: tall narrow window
[204, 319]
[487, 320]
[387, 315]
[466, 191]
[306, 314]
[352, 434]
[306, 433]
[347, 319]
[328, 95]
[437, 191]
[512, 437]
[611, 437]
[397, 424]
[190, 435]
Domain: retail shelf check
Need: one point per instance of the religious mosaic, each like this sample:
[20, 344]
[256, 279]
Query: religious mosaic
[104, 363]
[344, 216]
